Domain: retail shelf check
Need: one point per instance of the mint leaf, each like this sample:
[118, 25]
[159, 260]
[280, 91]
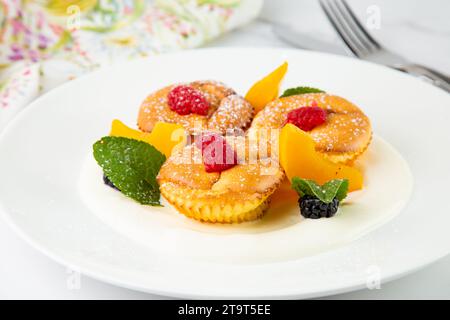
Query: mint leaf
[132, 166]
[342, 190]
[337, 188]
[299, 90]
[307, 187]
[300, 186]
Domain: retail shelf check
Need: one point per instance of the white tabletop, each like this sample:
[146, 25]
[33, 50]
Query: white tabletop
[424, 33]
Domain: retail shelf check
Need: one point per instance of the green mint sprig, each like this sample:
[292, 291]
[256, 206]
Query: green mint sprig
[132, 166]
[300, 90]
[337, 188]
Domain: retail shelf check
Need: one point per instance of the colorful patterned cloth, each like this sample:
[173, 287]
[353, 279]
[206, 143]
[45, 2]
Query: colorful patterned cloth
[46, 42]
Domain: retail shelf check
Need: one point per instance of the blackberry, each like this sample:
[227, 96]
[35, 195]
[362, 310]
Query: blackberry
[109, 183]
[312, 208]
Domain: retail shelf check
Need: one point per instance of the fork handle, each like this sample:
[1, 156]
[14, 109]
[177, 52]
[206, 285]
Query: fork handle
[434, 77]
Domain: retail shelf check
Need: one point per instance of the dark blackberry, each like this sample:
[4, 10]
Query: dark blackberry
[109, 183]
[312, 208]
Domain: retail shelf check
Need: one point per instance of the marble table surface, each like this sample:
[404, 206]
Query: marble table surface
[419, 30]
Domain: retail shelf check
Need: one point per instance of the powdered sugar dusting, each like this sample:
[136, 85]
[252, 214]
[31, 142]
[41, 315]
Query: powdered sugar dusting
[227, 110]
[347, 128]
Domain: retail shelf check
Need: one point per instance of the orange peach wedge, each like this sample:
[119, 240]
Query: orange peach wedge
[266, 89]
[164, 136]
[299, 158]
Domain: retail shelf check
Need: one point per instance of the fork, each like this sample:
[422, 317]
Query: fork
[364, 46]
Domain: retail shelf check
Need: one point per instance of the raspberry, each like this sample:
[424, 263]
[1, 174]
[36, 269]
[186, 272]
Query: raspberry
[200, 106]
[185, 100]
[307, 118]
[205, 139]
[217, 154]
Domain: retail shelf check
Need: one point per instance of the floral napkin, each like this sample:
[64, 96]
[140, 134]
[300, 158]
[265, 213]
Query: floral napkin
[44, 43]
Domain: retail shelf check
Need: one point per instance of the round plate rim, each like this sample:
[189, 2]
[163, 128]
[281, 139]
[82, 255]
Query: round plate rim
[351, 286]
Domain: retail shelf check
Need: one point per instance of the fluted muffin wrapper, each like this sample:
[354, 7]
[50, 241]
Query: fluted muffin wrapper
[207, 206]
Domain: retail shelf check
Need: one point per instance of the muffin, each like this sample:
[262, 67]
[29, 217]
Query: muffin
[340, 130]
[197, 106]
[238, 192]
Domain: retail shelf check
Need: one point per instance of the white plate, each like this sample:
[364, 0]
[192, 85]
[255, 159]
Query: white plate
[280, 235]
[43, 151]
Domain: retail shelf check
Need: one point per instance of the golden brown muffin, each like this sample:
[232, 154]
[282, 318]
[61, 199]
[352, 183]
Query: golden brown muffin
[344, 136]
[239, 194]
[227, 109]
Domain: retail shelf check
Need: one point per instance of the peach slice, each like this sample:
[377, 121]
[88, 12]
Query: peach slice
[266, 89]
[164, 136]
[299, 158]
